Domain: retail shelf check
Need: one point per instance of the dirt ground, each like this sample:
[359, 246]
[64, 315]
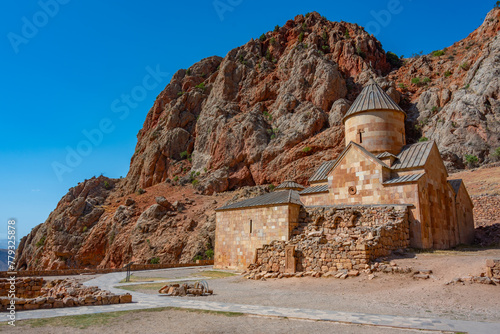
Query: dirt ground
[391, 294]
[480, 181]
[179, 321]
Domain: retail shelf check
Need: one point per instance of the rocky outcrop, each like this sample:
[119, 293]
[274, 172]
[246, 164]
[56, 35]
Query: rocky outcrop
[451, 96]
[269, 110]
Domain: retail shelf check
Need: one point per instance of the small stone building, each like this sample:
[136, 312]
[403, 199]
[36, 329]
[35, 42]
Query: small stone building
[376, 170]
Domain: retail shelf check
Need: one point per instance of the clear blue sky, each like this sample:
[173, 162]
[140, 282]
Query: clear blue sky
[66, 72]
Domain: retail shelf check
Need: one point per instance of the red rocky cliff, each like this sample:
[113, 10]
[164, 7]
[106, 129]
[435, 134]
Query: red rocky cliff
[269, 110]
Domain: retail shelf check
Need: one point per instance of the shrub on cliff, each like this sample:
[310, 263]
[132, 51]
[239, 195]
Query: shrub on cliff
[393, 59]
[471, 160]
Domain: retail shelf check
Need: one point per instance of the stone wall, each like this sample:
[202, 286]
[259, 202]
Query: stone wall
[329, 239]
[24, 287]
[240, 232]
[134, 267]
[56, 294]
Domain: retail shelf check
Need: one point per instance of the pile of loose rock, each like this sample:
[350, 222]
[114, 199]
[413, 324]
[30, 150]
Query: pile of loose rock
[491, 276]
[389, 267]
[196, 289]
[64, 293]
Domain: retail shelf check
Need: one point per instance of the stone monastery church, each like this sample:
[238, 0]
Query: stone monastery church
[379, 195]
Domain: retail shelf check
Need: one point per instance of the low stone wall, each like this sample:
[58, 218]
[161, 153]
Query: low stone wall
[57, 294]
[329, 239]
[493, 268]
[24, 288]
[134, 267]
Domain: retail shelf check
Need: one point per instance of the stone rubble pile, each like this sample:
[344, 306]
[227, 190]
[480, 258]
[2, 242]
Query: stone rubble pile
[64, 293]
[196, 289]
[383, 266]
[486, 209]
[491, 276]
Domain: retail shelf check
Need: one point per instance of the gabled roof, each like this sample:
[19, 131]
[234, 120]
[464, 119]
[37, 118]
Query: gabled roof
[385, 155]
[273, 198]
[315, 190]
[455, 184]
[321, 175]
[372, 97]
[414, 155]
[289, 185]
[405, 179]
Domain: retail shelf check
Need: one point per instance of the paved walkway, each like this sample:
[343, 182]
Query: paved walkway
[146, 301]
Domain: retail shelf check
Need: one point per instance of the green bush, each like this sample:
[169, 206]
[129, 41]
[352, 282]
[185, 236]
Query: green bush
[188, 72]
[262, 37]
[272, 41]
[423, 139]
[434, 109]
[393, 59]
[201, 86]
[107, 185]
[41, 242]
[360, 53]
[276, 28]
[306, 149]
[209, 253]
[325, 47]
[84, 229]
[346, 34]
[438, 53]
[154, 260]
[447, 74]
[325, 36]
[197, 257]
[176, 178]
[426, 80]
[271, 187]
[184, 155]
[471, 160]
[180, 93]
[195, 182]
[301, 37]
[465, 66]
[268, 55]
[496, 153]
[415, 81]
[402, 86]
[140, 191]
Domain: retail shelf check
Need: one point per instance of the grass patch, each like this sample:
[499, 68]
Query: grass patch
[82, 321]
[145, 286]
[104, 319]
[134, 278]
[214, 274]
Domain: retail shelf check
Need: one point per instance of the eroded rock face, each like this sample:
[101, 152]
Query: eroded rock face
[269, 110]
[458, 107]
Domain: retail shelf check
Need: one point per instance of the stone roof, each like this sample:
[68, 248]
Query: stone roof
[405, 179]
[290, 185]
[455, 184]
[270, 199]
[414, 155]
[372, 97]
[315, 190]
